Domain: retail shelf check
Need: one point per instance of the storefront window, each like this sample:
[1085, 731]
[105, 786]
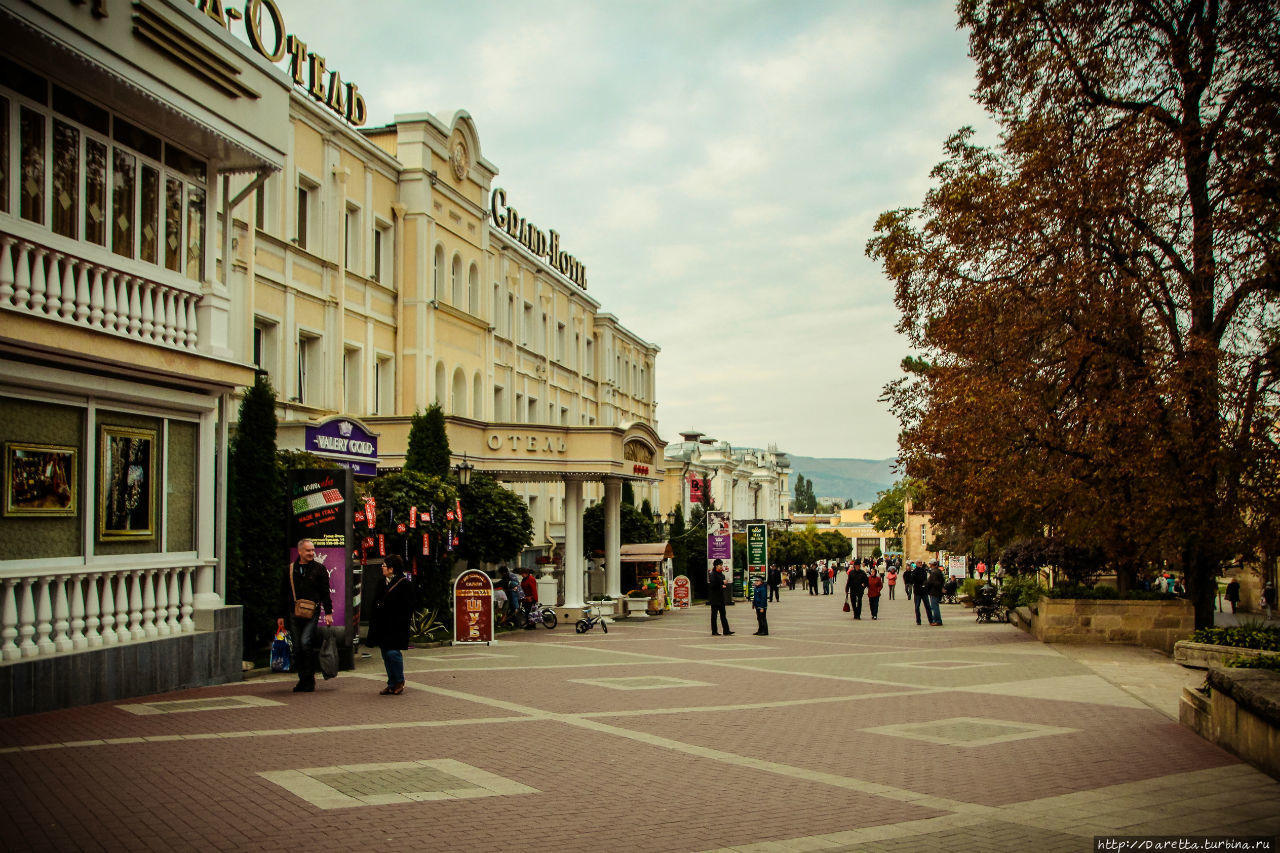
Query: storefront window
[31, 131]
[123, 183]
[149, 216]
[95, 192]
[66, 179]
[195, 233]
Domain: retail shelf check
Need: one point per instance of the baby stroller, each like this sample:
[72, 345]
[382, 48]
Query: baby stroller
[988, 606]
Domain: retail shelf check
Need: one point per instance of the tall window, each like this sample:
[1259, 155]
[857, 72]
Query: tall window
[560, 342]
[92, 176]
[589, 360]
[924, 534]
[455, 279]
[437, 273]
[264, 347]
[304, 212]
[309, 370]
[383, 383]
[351, 238]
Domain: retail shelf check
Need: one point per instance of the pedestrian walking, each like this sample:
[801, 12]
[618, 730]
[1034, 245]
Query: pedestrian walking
[875, 582]
[933, 588]
[891, 581]
[760, 600]
[811, 576]
[1269, 598]
[775, 583]
[1233, 593]
[304, 595]
[389, 621]
[854, 587]
[716, 593]
[919, 577]
[909, 583]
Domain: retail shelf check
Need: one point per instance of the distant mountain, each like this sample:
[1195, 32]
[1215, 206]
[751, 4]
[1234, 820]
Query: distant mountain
[859, 479]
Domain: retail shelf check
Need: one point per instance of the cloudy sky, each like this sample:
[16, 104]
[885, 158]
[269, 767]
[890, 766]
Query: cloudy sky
[717, 166]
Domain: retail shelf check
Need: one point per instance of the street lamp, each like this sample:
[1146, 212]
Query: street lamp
[463, 471]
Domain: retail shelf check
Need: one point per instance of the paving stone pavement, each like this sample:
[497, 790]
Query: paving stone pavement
[829, 734]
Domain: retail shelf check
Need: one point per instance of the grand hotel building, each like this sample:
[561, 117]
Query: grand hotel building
[188, 194]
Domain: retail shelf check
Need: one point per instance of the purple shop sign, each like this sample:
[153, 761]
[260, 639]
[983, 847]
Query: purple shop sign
[719, 536]
[345, 442]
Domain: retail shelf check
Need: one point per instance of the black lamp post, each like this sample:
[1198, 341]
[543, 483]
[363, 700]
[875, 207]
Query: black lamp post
[463, 471]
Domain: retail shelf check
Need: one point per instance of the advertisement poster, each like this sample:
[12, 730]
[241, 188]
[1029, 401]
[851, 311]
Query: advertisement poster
[320, 510]
[956, 566]
[720, 544]
[472, 608]
[757, 553]
[681, 592]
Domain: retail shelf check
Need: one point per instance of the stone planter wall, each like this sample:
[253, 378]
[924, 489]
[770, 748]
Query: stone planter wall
[1241, 713]
[1205, 655]
[1152, 624]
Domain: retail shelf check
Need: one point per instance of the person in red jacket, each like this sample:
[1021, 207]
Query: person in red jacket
[875, 582]
[529, 595]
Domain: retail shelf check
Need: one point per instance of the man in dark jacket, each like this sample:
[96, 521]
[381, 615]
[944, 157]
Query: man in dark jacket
[775, 583]
[854, 587]
[305, 580]
[933, 588]
[811, 576]
[919, 576]
[715, 597]
[760, 601]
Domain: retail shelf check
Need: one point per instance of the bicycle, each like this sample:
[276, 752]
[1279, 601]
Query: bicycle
[544, 616]
[589, 621]
[512, 618]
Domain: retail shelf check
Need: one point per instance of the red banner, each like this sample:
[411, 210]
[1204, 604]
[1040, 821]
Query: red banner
[695, 489]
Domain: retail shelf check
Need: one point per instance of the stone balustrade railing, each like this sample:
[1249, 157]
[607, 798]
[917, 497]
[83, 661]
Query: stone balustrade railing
[67, 611]
[48, 283]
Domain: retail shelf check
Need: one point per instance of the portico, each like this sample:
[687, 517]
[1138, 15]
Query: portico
[567, 455]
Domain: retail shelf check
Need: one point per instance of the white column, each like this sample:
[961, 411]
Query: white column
[187, 624]
[108, 629]
[44, 617]
[27, 620]
[78, 639]
[136, 631]
[613, 538]
[93, 611]
[175, 611]
[148, 579]
[9, 632]
[573, 544]
[162, 602]
[123, 634]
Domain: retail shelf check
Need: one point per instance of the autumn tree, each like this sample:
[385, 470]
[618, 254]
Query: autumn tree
[1094, 299]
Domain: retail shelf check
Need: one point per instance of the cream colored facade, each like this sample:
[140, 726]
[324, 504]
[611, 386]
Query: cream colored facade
[376, 279]
[857, 524]
[752, 483]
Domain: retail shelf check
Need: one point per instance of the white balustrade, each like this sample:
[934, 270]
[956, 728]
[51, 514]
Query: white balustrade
[35, 279]
[42, 615]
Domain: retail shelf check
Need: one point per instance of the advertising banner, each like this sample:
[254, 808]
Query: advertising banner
[473, 608]
[956, 566]
[757, 553]
[320, 509]
[720, 544]
[695, 489]
[681, 592]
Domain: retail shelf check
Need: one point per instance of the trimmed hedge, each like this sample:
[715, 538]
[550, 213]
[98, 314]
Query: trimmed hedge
[1266, 639]
[1107, 593]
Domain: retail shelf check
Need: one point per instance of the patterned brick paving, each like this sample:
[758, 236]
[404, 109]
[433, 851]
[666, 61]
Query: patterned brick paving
[746, 744]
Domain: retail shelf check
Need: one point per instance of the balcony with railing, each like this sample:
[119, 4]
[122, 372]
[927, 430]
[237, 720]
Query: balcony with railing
[44, 282]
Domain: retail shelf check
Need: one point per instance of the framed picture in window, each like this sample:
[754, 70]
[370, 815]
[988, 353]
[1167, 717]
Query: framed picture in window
[40, 479]
[127, 484]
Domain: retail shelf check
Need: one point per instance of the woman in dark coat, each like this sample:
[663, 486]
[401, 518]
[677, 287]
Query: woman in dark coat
[389, 622]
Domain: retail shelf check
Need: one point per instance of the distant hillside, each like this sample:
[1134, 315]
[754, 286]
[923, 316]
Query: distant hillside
[859, 479]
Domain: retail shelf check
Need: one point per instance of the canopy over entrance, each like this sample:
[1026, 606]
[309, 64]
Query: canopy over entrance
[650, 552]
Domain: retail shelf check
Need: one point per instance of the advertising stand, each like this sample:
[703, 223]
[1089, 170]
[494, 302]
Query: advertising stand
[320, 510]
[720, 547]
[473, 609]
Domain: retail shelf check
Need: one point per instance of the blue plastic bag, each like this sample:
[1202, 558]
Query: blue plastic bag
[281, 652]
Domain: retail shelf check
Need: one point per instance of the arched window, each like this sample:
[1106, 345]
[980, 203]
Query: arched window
[473, 290]
[456, 278]
[439, 389]
[458, 405]
[437, 273]
[477, 398]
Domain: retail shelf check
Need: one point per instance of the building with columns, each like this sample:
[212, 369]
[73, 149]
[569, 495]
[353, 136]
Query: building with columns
[753, 484]
[188, 193]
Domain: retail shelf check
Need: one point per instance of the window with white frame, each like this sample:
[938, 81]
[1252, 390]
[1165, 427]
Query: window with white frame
[309, 370]
[383, 385]
[437, 272]
[307, 212]
[89, 175]
[352, 236]
[924, 534]
[560, 355]
[381, 260]
[455, 279]
[526, 327]
[265, 342]
[589, 360]
[473, 290]
[351, 384]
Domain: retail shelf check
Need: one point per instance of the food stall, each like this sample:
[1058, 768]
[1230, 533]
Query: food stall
[646, 568]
